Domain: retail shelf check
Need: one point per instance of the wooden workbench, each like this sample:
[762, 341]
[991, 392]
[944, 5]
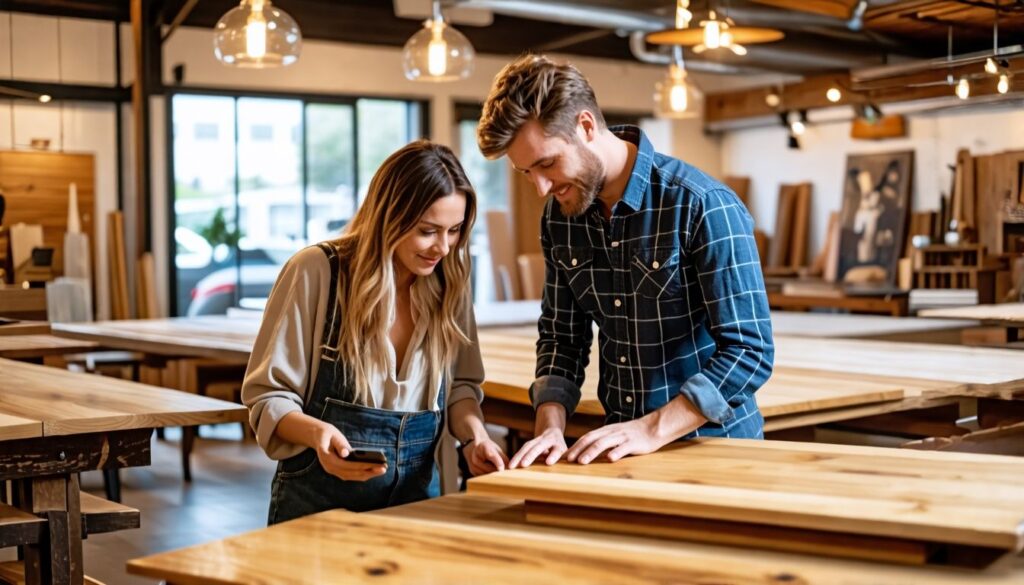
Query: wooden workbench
[55, 424]
[1007, 315]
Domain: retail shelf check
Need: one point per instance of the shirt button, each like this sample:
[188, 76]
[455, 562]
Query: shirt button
[654, 264]
[622, 359]
[629, 399]
[574, 262]
[618, 303]
[615, 244]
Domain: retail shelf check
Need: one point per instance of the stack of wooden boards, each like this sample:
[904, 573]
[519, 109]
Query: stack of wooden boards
[887, 505]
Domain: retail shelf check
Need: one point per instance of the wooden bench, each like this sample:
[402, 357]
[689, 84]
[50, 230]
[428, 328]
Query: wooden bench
[99, 516]
[18, 527]
[13, 573]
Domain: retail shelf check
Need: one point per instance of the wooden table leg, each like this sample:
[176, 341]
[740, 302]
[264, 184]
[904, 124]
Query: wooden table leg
[57, 559]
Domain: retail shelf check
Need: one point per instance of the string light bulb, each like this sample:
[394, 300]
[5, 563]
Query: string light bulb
[963, 88]
[833, 94]
[1004, 83]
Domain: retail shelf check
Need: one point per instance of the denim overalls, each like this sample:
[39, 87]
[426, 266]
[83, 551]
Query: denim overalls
[302, 487]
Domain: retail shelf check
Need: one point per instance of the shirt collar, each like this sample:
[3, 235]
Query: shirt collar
[640, 176]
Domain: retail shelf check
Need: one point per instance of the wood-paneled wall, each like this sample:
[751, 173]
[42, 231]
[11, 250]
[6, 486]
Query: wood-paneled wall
[35, 186]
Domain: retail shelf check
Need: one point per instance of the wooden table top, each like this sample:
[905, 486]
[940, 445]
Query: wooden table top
[796, 387]
[474, 539]
[33, 346]
[65, 403]
[965, 499]
[211, 337]
[811, 374]
[1002, 314]
[842, 325]
[25, 328]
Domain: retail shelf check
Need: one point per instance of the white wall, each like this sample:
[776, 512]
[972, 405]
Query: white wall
[40, 48]
[762, 155]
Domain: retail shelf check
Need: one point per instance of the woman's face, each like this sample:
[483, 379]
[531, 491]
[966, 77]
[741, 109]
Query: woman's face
[436, 233]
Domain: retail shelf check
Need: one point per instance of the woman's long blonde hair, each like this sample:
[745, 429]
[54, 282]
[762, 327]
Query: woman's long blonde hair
[402, 190]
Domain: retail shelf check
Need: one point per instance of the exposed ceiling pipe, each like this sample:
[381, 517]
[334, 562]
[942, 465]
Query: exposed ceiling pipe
[574, 14]
[787, 58]
[876, 73]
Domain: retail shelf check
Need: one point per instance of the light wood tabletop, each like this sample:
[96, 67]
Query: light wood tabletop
[208, 337]
[1008, 313]
[38, 346]
[24, 327]
[55, 424]
[475, 539]
[920, 496]
[811, 374]
[70, 402]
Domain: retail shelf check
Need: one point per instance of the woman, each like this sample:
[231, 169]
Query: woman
[367, 341]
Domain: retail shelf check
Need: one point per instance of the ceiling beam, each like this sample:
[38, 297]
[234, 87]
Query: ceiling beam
[809, 94]
[833, 8]
[90, 9]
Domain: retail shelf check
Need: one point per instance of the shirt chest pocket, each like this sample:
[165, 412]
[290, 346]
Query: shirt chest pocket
[656, 272]
[576, 264]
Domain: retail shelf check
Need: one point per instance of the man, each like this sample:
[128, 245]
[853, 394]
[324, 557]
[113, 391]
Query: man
[661, 256]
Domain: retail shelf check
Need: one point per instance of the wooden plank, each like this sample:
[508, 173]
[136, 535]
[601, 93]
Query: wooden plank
[70, 402]
[1002, 314]
[801, 226]
[859, 490]
[35, 346]
[741, 187]
[23, 303]
[1005, 440]
[100, 516]
[145, 288]
[120, 306]
[25, 328]
[784, 218]
[468, 539]
[965, 164]
[56, 455]
[817, 542]
[18, 527]
[209, 337]
[16, 427]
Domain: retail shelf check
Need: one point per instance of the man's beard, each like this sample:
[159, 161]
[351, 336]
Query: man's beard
[589, 182]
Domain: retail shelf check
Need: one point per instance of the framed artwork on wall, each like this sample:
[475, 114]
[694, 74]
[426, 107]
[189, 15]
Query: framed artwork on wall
[875, 209]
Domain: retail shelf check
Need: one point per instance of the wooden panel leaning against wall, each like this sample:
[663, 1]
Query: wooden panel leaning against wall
[35, 187]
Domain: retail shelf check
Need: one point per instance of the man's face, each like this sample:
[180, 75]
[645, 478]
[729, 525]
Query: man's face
[564, 169]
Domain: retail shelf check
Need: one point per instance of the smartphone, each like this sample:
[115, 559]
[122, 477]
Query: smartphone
[375, 456]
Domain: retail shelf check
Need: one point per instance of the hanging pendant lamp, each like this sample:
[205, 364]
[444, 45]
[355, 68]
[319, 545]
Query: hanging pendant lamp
[257, 34]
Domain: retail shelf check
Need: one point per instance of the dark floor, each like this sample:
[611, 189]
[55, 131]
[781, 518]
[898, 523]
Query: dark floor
[229, 494]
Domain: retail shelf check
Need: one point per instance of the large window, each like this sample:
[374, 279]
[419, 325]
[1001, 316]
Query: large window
[491, 181]
[258, 178]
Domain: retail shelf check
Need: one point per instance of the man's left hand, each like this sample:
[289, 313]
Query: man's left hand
[620, 439]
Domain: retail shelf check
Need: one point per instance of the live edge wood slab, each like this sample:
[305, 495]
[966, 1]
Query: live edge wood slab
[880, 504]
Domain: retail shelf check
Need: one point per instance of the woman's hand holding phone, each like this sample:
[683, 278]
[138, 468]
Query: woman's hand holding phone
[332, 448]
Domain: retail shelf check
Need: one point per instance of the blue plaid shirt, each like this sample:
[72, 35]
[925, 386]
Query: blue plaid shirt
[674, 284]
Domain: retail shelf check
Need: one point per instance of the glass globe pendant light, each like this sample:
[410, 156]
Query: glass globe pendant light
[257, 34]
[437, 52]
[673, 95]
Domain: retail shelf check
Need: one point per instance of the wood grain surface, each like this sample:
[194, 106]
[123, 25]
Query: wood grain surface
[33, 346]
[467, 539]
[941, 497]
[1002, 314]
[69, 402]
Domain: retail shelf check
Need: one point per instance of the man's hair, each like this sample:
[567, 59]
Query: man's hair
[534, 87]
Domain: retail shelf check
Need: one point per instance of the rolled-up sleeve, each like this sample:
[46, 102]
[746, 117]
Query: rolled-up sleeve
[724, 253]
[284, 355]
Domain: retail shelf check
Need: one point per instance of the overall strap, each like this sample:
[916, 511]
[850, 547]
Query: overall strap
[332, 327]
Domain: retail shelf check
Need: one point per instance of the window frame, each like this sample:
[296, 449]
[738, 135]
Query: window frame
[423, 106]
